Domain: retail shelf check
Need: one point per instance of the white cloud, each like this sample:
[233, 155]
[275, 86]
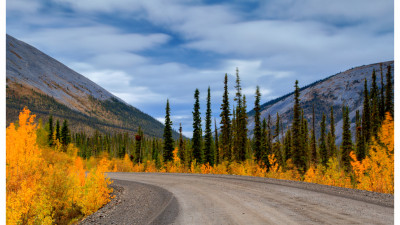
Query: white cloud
[22, 6]
[94, 40]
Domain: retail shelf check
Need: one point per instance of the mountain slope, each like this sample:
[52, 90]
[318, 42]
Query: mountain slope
[46, 86]
[343, 88]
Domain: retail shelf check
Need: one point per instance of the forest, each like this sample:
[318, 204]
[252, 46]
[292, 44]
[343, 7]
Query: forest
[46, 163]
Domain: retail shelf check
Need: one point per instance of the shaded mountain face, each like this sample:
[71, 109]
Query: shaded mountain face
[345, 88]
[46, 86]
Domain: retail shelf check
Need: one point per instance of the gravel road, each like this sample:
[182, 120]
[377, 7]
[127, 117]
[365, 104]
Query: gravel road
[158, 198]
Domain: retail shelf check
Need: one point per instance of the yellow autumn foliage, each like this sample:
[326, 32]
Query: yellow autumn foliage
[47, 186]
[374, 173]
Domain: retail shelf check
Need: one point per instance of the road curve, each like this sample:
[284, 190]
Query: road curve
[229, 199]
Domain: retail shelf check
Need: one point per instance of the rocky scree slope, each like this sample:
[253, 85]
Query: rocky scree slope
[343, 88]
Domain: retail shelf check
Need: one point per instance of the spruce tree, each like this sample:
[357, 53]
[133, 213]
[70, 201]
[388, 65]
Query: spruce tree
[347, 144]
[389, 107]
[268, 137]
[332, 136]
[168, 141]
[375, 120]
[208, 148]
[264, 139]
[305, 139]
[297, 150]
[276, 147]
[323, 153]
[181, 149]
[65, 134]
[360, 149]
[313, 144]
[366, 116]
[225, 123]
[58, 131]
[197, 133]
[217, 153]
[382, 97]
[243, 131]
[138, 146]
[51, 131]
[257, 126]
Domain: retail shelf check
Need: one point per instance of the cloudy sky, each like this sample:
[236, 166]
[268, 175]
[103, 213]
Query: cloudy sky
[147, 51]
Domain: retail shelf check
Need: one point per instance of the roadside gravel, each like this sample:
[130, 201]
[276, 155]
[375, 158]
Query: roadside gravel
[136, 203]
[165, 198]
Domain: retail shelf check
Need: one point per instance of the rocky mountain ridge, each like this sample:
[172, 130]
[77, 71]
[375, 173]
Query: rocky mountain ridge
[345, 88]
[47, 86]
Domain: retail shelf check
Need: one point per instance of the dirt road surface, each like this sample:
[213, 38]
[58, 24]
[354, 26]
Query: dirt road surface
[158, 198]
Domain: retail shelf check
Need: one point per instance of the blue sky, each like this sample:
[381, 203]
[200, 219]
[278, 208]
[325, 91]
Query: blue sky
[147, 51]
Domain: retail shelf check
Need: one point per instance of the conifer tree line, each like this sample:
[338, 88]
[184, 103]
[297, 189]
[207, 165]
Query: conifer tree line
[299, 146]
[295, 146]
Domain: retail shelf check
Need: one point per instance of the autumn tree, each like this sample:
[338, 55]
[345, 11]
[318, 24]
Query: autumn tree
[168, 141]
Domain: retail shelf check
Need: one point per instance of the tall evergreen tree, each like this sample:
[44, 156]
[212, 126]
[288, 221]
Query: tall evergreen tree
[197, 133]
[366, 116]
[268, 137]
[138, 148]
[243, 130]
[360, 149]
[264, 139]
[347, 144]
[323, 153]
[51, 131]
[257, 126]
[208, 145]
[382, 97]
[181, 149]
[332, 136]
[313, 142]
[276, 146]
[217, 153]
[297, 151]
[168, 141]
[389, 107]
[65, 134]
[375, 120]
[305, 138]
[225, 123]
[236, 124]
[58, 131]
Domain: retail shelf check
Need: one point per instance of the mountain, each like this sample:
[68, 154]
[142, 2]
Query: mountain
[343, 88]
[47, 86]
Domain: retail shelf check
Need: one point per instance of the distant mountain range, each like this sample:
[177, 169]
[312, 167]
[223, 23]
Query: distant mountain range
[345, 88]
[47, 86]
